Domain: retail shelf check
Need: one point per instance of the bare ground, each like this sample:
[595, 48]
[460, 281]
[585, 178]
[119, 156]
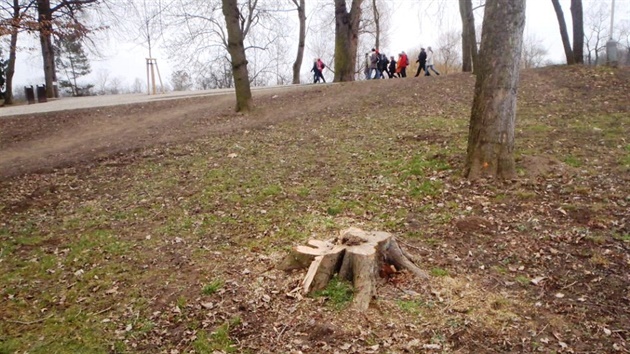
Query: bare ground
[115, 222]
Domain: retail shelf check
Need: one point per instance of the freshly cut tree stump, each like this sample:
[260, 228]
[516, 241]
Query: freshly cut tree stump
[355, 255]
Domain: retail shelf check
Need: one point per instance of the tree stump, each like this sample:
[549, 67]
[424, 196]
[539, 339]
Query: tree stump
[355, 255]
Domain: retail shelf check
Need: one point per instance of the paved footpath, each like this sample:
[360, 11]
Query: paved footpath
[67, 103]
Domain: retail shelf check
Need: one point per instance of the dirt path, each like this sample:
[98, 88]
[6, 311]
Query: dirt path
[39, 142]
[47, 140]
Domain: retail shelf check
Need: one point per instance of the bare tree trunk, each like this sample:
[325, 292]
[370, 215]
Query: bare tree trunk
[346, 39]
[469, 37]
[75, 91]
[237, 54]
[8, 95]
[578, 31]
[300, 54]
[377, 23]
[491, 131]
[45, 39]
[568, 52]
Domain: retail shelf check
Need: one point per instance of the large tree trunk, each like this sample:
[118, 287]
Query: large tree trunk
[237, 55]
[491, 131]
[8, 95]
[568, 52]
[44, 20]
[377, 23]
[297, 65]
[346, 39]
[469, 37]
[578, 31]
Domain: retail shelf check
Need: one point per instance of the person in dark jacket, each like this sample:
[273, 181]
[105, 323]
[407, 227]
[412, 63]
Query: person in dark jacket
[382, 64]
[317, 69]
[392, 67]
[422, 61]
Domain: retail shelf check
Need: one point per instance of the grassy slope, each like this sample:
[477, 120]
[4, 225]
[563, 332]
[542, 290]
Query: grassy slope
[120, 258]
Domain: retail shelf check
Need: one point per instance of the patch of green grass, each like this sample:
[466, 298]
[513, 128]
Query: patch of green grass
[270, 191]
[415, 234]
[335, 209]
[597, 239]
[432, 241]
[339, 293]
[538, 128]
[454, 323]
[621, 237]
[119, 347]
[219, 340]
[572, 161]
[181, 302]
[524, 194]
[6, 249]
[521, 279]
[418, 166]
[501, 197]
[625, 160]
[522, 227]
[212, 287]
[442, 218]
[90, 242]
[8, 346]
[425, 188]
[410, 306]
[4, 232]
[72, 334]
[303, 192]
[144, 326]
[202, 343]
[28, 235]
[439, 272]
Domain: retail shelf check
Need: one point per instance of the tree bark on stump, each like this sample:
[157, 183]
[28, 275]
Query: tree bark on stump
[357, 256]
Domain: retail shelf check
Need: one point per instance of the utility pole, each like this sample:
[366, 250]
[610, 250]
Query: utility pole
[611, 45]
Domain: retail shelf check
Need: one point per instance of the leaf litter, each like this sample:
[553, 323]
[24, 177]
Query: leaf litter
[109, 248]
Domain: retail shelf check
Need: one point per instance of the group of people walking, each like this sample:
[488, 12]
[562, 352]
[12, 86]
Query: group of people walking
[377, 64]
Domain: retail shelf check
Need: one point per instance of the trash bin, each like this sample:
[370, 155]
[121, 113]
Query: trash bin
[41, 93]
[30, 94]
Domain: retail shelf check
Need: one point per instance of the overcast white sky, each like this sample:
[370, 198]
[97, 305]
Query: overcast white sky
[413, 23]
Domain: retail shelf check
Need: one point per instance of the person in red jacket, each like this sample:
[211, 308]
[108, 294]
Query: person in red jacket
[403, 62]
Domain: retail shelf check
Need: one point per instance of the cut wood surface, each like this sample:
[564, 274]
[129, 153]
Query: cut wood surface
[356, 256]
